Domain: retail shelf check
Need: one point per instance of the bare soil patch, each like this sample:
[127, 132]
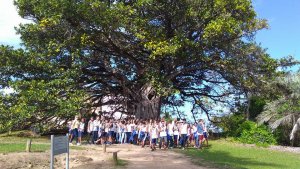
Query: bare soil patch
[94, 158]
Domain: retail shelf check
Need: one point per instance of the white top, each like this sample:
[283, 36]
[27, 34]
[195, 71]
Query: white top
[170, 129]
[189, 131]
[119, 128]
[184, 129]
[154, 133]
[128, 127]
[101, 125]
[96, 125]
[81, 127]
[115, 127]
[163, 131]
[106, 129]
[132, 127]
[144, 129]
[175, 128]
[90, 126]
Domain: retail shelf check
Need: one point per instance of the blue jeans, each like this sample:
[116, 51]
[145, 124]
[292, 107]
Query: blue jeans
[183, 140]
[74, 134]
[176, 140]
[95, 136]
[128, 134]
[123, 137]
[196, 140]
[117, 137]
[170, 141]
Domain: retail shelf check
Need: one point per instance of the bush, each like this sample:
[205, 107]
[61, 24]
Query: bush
[253, 134]
[230, 125]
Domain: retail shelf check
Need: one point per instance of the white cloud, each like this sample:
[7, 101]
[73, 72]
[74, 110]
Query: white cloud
[9, 19]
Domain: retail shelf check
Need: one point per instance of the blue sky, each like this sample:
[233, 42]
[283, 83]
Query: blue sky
[283, 36]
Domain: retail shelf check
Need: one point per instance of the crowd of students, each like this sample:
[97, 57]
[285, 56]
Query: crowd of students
[161, 133]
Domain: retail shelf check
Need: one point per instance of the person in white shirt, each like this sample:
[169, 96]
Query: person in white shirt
[123, 132]
[128, 132]
[163, 135]
[183, 133]
[170, 134]
[111, 131]
[176, 133]
[96, 124]
[144, 132]
[90, 129]
[81, 130]
[132, 132]
[154, 136]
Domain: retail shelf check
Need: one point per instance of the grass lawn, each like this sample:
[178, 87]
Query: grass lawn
[20, 147]
[14, 143]
[224, 154]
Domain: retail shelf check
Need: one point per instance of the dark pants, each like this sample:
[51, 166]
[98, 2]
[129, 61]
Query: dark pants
[95, 136]
[183, 140]
[74, 134]
[161, 140]
[175, 140]
[170, 141]
[128, 134]
[90, 137]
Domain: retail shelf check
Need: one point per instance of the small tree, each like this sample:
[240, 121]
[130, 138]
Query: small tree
[284, 111]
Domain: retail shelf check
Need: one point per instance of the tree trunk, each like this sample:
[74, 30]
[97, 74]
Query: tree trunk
[148, 104]
[248, 96]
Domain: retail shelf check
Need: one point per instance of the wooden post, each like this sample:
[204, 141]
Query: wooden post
[104, 148]
[28, 145]
[115, 158]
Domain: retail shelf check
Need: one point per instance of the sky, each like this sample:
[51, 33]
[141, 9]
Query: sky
[283, 36]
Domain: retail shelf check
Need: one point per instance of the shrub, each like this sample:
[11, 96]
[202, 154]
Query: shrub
[230, 125]
[253, 134]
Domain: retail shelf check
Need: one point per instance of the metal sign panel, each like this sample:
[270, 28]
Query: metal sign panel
[59, 145]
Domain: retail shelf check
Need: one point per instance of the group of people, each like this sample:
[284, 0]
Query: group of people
[153, 132]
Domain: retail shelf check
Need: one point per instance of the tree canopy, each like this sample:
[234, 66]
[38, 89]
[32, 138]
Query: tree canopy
[137, 54]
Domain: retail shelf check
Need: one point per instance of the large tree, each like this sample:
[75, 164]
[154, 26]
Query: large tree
[141, 54]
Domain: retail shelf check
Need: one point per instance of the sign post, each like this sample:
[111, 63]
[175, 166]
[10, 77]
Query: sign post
[59, 145]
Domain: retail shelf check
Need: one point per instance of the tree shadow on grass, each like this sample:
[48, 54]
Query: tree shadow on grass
[223, 159]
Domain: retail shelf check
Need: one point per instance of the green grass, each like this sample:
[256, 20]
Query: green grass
[121, 163]
[16, 142]
[21, 147]
[224, 154]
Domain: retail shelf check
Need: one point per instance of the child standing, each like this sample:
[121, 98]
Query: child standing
[154, 136]
[81, 131]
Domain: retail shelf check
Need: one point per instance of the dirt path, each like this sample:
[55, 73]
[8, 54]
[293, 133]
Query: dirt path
[142, 158]
[93, 157]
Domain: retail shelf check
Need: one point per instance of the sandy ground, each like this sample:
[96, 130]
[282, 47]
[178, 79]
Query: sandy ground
[94, 158]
